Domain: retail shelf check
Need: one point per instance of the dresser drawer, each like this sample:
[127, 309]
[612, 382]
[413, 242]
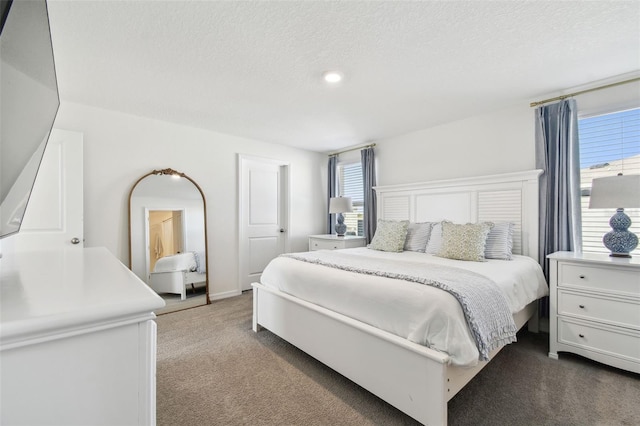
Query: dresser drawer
[625, 313]
[599, 278]
[622, 343]
[325, 245]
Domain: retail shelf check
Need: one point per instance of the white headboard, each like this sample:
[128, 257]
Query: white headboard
[511, 197]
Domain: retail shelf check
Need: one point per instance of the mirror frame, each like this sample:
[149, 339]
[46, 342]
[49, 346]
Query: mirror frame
[172, 172]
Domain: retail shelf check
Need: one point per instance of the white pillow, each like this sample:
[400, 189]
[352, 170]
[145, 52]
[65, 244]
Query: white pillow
[390, 235]
[500, 241]
[417, 236]
[435, 239]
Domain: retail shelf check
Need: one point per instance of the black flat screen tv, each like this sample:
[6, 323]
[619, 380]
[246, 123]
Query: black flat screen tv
[29, 103]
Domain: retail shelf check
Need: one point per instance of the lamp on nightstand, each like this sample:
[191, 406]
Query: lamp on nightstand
[618, 192]
[340, 205]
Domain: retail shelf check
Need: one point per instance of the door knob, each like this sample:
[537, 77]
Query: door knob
[75, 240]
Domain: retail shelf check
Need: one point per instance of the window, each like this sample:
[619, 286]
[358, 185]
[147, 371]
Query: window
[350, 185]
[609, 144]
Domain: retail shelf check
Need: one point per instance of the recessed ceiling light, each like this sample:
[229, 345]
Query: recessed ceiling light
[332, 76]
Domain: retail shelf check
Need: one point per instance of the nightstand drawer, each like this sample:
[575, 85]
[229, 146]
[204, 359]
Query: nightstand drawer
[625, 313]
[325, 245]
[333, 242]
[600, 278]
[621, 343]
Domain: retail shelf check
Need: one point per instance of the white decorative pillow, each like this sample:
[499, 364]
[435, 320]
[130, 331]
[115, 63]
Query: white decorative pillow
[435, 239]
[500, 241]
[390, 235]
[464, 242]
[417, 236]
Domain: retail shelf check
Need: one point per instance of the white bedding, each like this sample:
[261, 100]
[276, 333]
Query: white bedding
[420, 313]
[176, 262]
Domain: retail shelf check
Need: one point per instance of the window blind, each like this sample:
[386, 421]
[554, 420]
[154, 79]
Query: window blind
[351, 182]
[609, 144]
[350, 185]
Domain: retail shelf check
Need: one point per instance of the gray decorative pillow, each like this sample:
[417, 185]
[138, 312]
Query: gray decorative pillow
[417, 236]
[390, 235]
[464, 242]
[435, 239]
[500, 241]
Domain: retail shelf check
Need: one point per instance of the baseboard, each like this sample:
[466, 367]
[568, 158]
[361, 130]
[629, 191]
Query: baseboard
[224, 295]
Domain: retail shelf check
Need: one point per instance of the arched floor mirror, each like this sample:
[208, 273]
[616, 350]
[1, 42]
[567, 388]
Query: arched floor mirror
[168, 238]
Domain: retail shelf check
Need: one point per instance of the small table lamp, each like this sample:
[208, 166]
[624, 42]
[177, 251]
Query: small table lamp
[617, 192]
[340, 205]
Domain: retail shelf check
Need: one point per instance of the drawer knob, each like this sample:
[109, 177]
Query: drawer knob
[581, 306]
[581, 335]
[582, 277]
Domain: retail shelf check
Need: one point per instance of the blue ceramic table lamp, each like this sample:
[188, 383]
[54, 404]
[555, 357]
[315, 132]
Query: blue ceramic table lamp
[618, 192]
[340, 205]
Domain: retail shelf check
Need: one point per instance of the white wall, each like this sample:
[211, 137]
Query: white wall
[605, 101]
[496, 142]
[120, 148]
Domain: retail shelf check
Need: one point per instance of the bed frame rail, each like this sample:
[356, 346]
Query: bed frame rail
[408, 376]
[413, 378]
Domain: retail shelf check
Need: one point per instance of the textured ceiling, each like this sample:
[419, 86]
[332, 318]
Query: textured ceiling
[253, 69]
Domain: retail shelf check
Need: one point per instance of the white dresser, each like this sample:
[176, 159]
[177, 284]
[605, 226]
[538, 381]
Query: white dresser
[595, 308]
[333, 242]
[77, 340]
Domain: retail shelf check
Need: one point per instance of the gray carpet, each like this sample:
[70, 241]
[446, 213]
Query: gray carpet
[214, 370]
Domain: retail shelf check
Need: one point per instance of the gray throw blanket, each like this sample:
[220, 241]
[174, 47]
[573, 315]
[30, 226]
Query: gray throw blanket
[484, 305]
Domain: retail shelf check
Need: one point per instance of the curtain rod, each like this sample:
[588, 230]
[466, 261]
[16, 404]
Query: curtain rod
[559, 98]
[371, 145]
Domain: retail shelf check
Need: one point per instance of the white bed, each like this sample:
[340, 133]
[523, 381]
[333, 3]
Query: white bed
[174, 274]
[381, 357]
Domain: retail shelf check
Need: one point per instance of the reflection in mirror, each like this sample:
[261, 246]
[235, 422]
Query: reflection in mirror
[165, 235]
[168, 238]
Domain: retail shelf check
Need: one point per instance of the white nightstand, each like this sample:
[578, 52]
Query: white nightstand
[332, 242]
[595, 308]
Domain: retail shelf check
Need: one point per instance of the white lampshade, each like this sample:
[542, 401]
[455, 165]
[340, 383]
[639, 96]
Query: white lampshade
[621, 191]
[340, 205]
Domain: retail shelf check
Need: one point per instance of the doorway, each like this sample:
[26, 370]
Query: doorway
[165, 234]
[264, 215]
[54, 216]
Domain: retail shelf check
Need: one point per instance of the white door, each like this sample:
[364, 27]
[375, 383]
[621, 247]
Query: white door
[264, 215]
[54, 215]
